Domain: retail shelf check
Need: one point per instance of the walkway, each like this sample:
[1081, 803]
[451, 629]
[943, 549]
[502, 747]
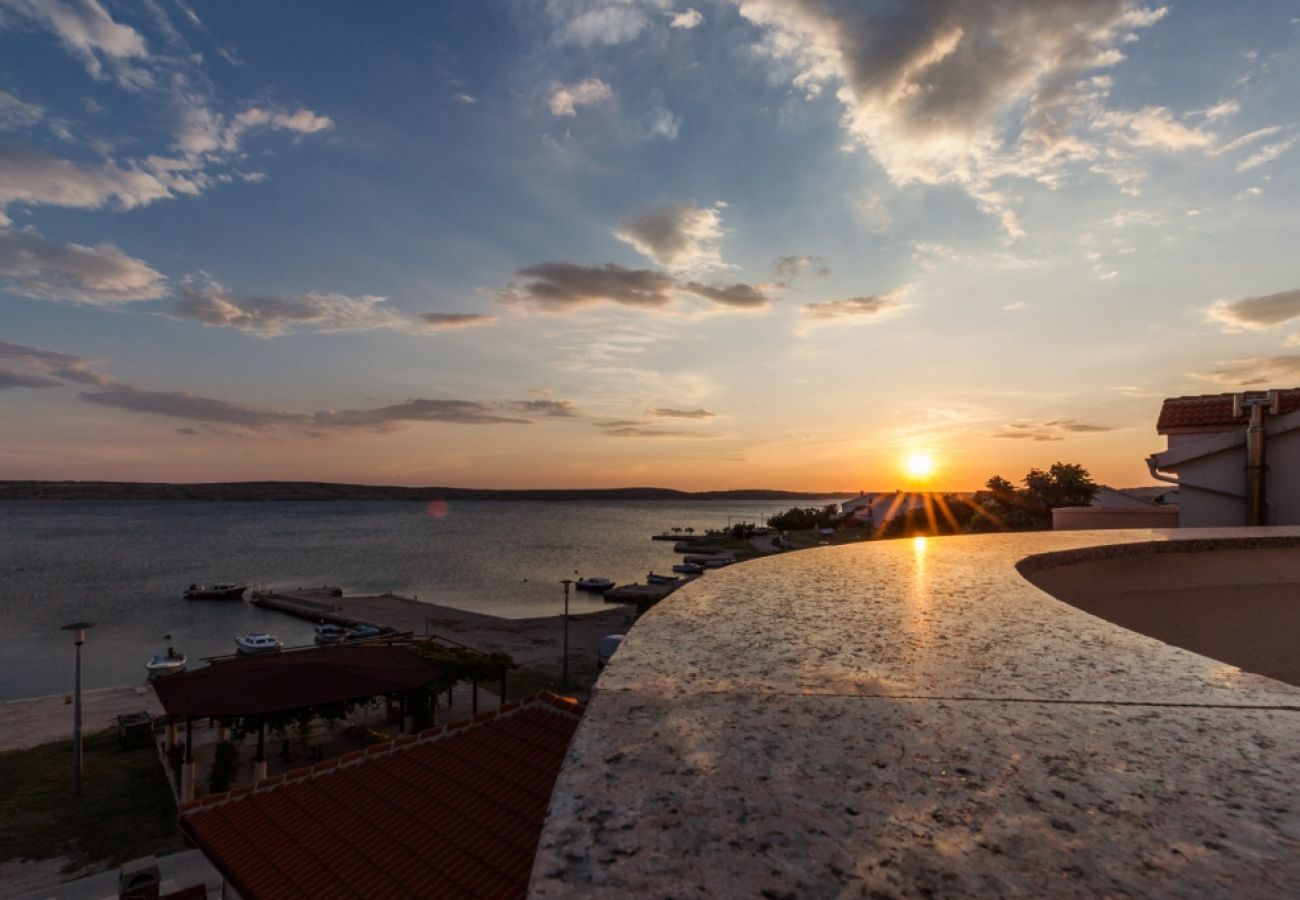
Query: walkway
[914, 718]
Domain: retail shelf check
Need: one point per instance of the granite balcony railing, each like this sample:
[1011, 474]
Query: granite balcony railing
[914, 718]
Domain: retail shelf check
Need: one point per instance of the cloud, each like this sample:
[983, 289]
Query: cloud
[11, 379]
[203, 137]
[1040, 432]
[1257, 313]
[677, 236]
[184, 405]
[743, 296]
[1074, 425]
[1266, 154]
[213, 411]
[951, 91]
[617, 423]
[689, 18]
[466, 99]
[36, 362]
[1154, 127]
[30, 177]
[15, 114]
[551, 409]
[666, 413]
[632, 431]
[1278, 371]
[791, 266]
[658, 123]
[459, 412]
[88, 32]
[442, 321]
[277, 314]
[589, 22]
[102, 275]
[560, 286]
[1223, 110]
[873, 307]
[566, 99]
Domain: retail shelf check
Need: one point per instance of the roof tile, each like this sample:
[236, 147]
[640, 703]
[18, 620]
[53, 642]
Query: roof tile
[1213, 410]
[458, 812]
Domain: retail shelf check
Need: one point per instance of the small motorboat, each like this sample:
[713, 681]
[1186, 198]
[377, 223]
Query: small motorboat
[361, 632]
[329, 634]
[220, 591]
[718, 562]
[593, 584]
[258, 643]
[688, 568]
[162, 665]
[652, 578]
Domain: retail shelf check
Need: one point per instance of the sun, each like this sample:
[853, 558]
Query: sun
[919, 465]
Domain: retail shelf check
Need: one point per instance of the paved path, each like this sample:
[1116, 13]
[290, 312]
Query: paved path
[179, 870]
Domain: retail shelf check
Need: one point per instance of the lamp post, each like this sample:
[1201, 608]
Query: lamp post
[80, 629]
[564, 665]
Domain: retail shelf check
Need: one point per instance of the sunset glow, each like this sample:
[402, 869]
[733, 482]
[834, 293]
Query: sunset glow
[919, 465]
[589, 243]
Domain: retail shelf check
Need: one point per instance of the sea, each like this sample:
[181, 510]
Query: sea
[123, 566]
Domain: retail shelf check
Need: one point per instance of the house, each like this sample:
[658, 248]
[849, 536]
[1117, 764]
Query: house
[1234, 457]
[878, 509]
[1121, 508]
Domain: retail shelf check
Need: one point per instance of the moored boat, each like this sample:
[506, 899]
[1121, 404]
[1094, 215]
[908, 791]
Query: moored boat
[652, 578]
[688, 568]
[258, 643]
[162, 665]
[593, 584]
[222, 591]
[329, 634]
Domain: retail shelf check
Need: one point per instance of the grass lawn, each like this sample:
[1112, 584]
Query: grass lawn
[125, 810]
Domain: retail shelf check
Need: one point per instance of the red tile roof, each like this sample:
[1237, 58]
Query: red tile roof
[1213, 410]
[456, 811]
[280, 682]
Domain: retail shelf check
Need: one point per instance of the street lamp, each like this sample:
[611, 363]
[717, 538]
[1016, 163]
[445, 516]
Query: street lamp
[564, 666]
[80, 629]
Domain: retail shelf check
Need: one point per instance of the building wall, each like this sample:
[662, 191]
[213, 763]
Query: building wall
[1084, 518]
[1226, 470]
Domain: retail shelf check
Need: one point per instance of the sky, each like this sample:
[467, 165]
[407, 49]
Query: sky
[702, 244]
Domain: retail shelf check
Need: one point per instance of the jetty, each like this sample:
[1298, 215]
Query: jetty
[528, 641]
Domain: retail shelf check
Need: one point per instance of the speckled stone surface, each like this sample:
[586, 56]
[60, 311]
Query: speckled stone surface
[913, 718]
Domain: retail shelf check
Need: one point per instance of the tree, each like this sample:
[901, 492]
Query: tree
[1003, 507]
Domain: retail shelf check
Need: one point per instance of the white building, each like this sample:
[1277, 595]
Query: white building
[1208, 457]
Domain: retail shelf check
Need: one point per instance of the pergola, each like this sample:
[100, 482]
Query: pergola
[259, 687]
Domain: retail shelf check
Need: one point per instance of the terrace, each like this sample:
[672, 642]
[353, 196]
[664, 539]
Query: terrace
[916, 717]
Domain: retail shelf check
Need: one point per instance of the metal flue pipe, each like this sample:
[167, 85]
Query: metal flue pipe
[1256, 460]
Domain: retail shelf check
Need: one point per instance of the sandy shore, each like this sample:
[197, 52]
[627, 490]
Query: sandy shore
[1240, 607]
[39, 720]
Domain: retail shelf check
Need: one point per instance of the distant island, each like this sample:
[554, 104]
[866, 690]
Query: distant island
[319, 490]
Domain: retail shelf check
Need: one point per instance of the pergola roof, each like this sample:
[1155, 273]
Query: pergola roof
[456, 811]
[281, 682]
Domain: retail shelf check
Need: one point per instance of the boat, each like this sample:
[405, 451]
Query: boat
[652, 578]
[221, 591]
[329, 634]
[258, 643]
[162, 665]
[361, 632]
[688, 568]
[718, 563]
[593, 584]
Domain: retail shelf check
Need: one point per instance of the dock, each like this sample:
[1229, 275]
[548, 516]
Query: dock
[528, 641]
